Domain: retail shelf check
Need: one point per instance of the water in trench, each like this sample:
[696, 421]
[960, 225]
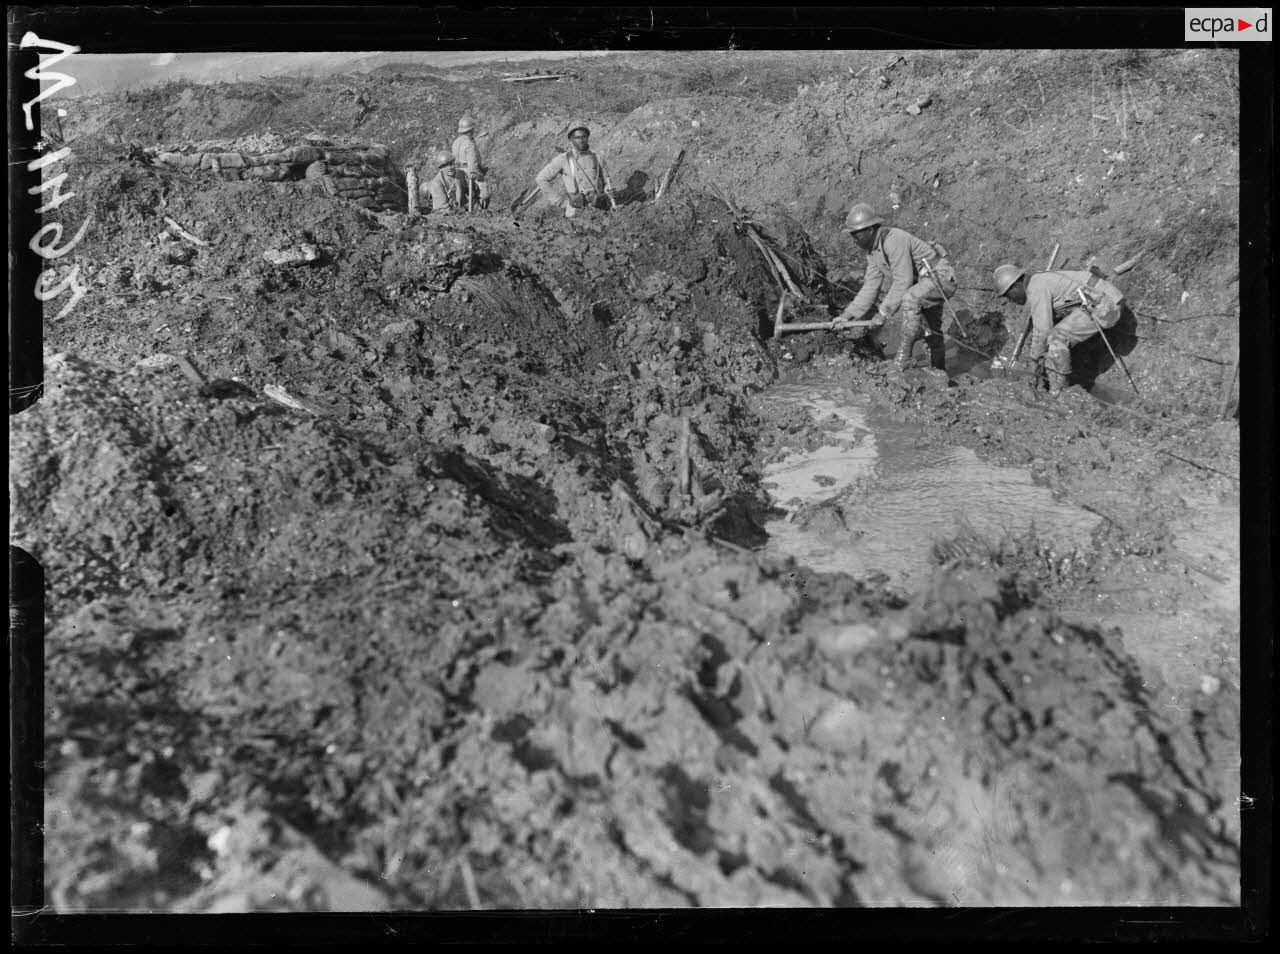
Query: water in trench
[875, 496]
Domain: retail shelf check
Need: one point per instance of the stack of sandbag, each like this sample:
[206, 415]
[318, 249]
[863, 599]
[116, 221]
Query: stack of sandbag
[363, 174]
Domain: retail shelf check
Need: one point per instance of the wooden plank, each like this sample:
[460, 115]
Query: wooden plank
[532, 79]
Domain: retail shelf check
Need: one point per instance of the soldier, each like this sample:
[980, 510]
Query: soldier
[907, 275]
[1065, 308]
[444, 189]
[467, 155]
[581, 175]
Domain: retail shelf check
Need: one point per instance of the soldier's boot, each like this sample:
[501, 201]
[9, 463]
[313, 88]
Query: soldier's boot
[1057, 365]
[908, 334]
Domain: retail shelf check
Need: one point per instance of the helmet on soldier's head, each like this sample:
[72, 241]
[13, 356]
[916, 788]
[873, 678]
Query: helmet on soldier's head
[1006, 275]
[466, 124]
[443, 158]
[860, 217]
[575, 126]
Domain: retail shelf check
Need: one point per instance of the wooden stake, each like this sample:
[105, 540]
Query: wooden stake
[684, 464]
[411, 186]
[777, 319]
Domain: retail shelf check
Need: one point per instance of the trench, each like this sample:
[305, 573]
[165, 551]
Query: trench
[870, 495]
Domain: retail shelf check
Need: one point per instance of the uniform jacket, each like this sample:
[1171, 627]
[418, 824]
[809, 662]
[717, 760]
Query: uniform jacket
[444, 193]
[578, 172]
[894, 260]
[1054, 294]
[467, 155]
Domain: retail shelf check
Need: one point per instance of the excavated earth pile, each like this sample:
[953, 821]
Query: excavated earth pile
[472, 612]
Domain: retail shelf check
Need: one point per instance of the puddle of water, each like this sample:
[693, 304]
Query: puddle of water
[892, 496]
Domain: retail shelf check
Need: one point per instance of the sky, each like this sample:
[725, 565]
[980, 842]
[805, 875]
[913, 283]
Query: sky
[105, 73]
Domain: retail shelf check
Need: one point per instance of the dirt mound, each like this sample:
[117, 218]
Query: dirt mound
[477, 619]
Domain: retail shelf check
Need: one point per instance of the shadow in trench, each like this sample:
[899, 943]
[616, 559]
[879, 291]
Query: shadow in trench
[1091, 358]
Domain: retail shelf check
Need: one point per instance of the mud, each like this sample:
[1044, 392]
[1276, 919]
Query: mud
[453, 634]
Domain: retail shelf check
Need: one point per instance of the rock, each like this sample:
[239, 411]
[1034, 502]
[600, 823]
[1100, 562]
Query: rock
[923, 101]
[913, 109]
[847, 638]
[1210, 685]
[160, 360]
[301, 254]
[840, 728]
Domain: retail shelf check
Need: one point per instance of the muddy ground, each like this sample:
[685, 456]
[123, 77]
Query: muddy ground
[453, 635]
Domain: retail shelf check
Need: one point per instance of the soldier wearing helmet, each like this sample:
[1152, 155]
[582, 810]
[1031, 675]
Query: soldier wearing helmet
[1066, 307]
[898, 276]
[472, 172]
[576, 178]
[444, 189]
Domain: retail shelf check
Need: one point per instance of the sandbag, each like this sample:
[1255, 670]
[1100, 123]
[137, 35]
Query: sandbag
[305, 154]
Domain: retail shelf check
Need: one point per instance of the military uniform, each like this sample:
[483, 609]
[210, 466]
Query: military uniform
[896, 276]
[575, 174]
[1059, 319]
[467, 156]
[444, 192]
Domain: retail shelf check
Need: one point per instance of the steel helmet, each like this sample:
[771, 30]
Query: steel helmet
[575, 126]
[443, 158]
[860, 217]
[466, 124]
[1006, 275]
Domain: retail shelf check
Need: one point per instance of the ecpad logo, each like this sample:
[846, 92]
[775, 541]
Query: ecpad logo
[1226, 24]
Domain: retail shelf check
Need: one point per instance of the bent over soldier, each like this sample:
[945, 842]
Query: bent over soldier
[906, 275]
[1065, 307]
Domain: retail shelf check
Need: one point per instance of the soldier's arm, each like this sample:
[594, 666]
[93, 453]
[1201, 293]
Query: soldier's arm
[549, 174]
[1040, 311]
[866, 297]
[897, 248]
[470, 157]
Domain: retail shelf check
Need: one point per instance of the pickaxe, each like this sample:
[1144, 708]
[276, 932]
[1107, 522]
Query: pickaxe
[945, 300]
[1088, 309]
